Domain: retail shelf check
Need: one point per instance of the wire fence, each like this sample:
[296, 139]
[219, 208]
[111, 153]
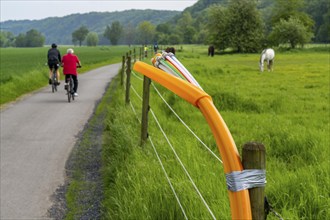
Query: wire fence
[170, 145]
[168, 141]
[173, 150]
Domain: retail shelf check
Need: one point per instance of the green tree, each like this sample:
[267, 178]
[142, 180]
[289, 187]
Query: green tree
[245, 25]
[323, 33]
[146, 32]
[34, 39]
[185, 28]
[286, 9]
[162, 38]
[79, 35]
[200, 37]
[129, 34]
[164, 28]
[174, 39]
[200, 25]
[7, 39]
[107, 33]
[116, 31]
[291, 31]
[3, 39]
[218, 34]
[92, 39]
[238, 26]
[20, 40]
[320, 13]
[163, 32]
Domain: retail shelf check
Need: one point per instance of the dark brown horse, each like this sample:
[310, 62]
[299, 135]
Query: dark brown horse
[211, 50]
[170, 49]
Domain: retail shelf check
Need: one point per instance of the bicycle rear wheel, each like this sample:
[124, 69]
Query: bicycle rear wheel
[68, 89]
[71, 86]
[69, 96]
[54, 87]
[54, 81]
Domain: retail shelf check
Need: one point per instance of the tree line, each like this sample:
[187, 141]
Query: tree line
[243, 25]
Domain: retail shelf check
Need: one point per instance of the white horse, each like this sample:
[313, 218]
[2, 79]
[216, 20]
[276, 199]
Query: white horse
[267, 55]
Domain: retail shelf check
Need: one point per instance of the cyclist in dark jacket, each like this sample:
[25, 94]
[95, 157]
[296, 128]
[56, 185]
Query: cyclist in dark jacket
[54, 60]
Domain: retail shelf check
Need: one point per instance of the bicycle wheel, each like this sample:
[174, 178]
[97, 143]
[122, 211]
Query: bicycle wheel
[72, 92]
[69, 92]
[54, 87]
[54, 81]
[69, 96]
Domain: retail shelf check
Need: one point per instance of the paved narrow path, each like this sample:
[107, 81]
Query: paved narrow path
[37, 135]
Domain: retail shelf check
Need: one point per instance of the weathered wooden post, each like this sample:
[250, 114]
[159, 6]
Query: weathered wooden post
[134, 55]
[253, 157]
[145, 110]
[128, 79]
[122, 71]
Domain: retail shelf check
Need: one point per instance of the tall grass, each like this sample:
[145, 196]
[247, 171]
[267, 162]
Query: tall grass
[287, 110]
[24, 70]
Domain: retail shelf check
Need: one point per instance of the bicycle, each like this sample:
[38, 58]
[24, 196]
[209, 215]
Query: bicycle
[54, 79]
[69, 87]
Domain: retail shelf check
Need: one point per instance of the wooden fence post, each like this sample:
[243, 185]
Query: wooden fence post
[128, 79]
[122, 71]
[253, 157]
[134, 55]
[145, 110]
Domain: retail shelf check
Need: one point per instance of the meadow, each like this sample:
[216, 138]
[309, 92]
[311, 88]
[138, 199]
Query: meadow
[287, 110]
[24, 70]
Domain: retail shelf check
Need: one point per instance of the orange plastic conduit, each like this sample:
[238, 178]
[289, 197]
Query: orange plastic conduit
[239, 201]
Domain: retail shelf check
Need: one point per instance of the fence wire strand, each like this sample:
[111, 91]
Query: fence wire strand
[162, 166]
[189, 129]
[171, 146]
[137, 76]
[168, 179]
[179, 118]
[182, 165]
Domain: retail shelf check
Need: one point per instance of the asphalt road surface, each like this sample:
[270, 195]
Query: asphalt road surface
[37, 136]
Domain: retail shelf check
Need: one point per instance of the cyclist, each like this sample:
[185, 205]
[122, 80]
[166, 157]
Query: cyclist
[54, 60]
[70, 62]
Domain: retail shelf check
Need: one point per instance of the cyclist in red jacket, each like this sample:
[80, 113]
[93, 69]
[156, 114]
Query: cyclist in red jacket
[70, 62]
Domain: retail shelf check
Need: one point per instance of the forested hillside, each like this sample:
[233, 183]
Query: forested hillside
[317, 10]
[59, 29]
[240, 25]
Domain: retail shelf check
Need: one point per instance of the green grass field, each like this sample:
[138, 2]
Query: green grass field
[287, 110]
[24, 70]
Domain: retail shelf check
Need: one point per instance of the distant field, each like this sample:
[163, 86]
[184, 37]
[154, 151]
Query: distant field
[23, 69]
[287, 110]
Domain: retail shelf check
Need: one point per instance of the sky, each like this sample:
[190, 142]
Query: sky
[39, 9]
